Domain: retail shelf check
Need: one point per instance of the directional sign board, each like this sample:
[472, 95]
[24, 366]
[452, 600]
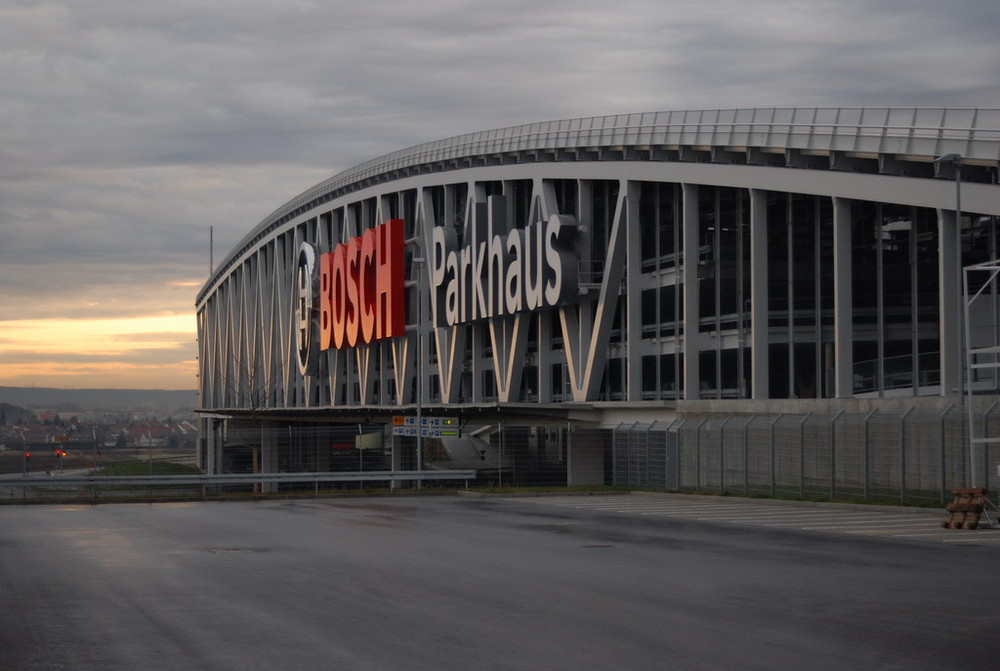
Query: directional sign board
[430, 427]
[426, 432]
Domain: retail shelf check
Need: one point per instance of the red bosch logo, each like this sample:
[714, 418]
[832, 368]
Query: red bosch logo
[362, 290]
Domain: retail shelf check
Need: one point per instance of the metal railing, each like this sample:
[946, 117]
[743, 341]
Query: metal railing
[84, 486]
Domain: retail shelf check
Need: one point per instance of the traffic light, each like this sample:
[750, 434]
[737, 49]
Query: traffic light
[27, 456]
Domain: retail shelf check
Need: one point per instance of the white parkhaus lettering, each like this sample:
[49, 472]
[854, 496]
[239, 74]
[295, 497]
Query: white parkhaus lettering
[502, 270]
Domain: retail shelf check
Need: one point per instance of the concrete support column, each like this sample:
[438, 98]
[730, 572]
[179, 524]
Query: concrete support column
[843, 324]
[633, 313]
[692, 336]
[949, 304]
[758, 295]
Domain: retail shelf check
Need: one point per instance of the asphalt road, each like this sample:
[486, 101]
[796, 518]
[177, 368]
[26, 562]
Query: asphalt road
[451, 583]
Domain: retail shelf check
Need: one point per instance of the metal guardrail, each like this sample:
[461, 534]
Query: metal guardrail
[229, 478]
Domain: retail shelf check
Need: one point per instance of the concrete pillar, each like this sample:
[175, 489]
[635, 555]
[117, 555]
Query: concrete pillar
[949, 304]
[758, 296]
[843, 303]
[633, 313]
[692, 336]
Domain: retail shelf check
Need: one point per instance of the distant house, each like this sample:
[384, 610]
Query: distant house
[150, 434]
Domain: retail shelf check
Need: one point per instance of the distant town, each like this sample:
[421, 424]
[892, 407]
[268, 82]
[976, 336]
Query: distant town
[86, 428]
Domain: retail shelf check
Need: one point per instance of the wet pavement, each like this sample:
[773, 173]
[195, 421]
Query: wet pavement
[494, 583]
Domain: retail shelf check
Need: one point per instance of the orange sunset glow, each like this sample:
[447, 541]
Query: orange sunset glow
[150, 352]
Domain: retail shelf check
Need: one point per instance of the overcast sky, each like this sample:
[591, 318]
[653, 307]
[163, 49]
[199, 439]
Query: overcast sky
[127, 129]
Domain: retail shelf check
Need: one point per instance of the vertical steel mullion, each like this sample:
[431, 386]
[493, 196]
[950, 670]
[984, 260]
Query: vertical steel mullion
[741, 389]
[879, 302]
[966, 380]
[790, 274]
[915, 309]
[679, 389]
[818, 299]
[658, 289]
[717, 270]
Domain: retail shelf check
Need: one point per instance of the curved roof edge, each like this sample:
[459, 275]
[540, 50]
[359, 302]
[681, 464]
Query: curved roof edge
[924, 132]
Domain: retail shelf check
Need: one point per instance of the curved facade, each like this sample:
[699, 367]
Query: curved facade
[623, 268]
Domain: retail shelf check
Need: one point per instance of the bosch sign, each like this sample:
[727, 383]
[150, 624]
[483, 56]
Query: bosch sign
[357, 292]
[361, 289]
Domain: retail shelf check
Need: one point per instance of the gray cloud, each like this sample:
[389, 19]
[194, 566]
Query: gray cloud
[128, 129]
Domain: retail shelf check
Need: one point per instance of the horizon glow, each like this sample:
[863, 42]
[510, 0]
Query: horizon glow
[147, 352]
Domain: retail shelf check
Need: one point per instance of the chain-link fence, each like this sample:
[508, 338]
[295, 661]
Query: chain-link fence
[912, 456]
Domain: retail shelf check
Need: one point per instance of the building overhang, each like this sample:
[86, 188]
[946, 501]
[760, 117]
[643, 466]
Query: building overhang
[530, 414]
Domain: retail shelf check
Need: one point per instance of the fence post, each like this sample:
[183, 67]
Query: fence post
[648, 463]
[746, 455]
[802, 455]
[943, 420]
[902, 455]
[986, 443]
[866, 466]
[773, 422]
[614, 455]
[722, 453]
[833, 455]
[697, 470]
[672, 430]
[633, 473]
